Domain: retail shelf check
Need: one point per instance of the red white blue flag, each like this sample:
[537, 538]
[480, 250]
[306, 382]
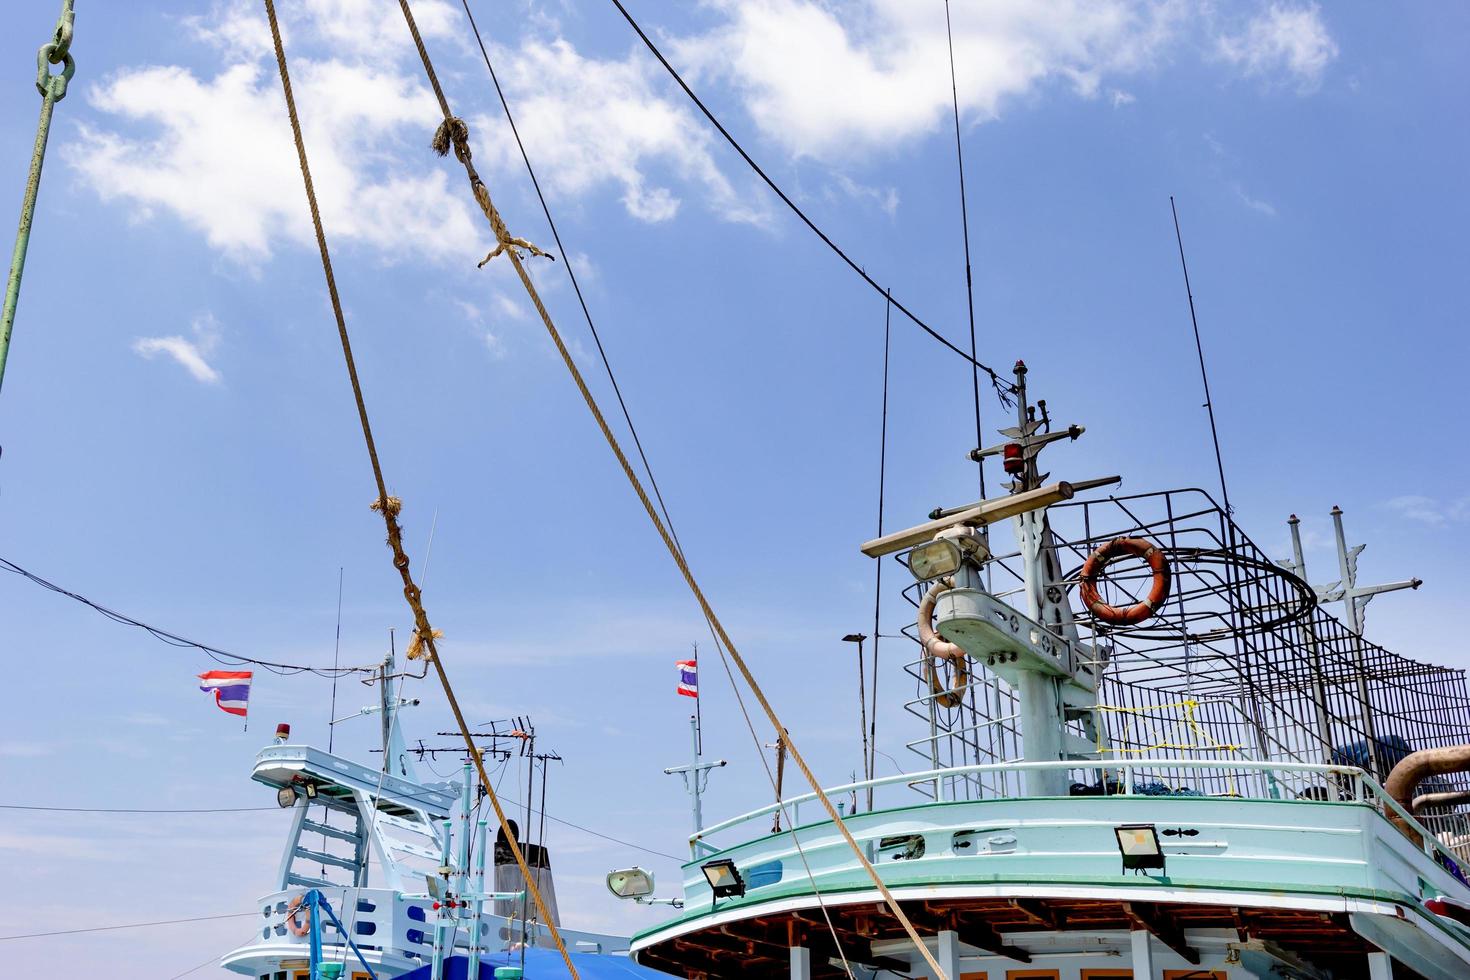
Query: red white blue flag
[231, 689]
[688, 678]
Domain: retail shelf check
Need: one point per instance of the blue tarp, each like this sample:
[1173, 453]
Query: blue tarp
[1391, 751]
[546, 964]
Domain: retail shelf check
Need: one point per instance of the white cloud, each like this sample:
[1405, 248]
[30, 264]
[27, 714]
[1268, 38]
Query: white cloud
[216, 151]
[1284, 37]
[1428, 510]
[507, 307]
[885, 198]
[836, 82]
[190, 354]
[25, 750]
[1254, 203]
[590, 123]
[823, 86]
[502, 308]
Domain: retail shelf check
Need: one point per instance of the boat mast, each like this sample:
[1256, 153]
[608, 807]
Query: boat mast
[57, 51]
[696, 774]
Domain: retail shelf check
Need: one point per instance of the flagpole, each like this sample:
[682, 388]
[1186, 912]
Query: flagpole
[698, 719]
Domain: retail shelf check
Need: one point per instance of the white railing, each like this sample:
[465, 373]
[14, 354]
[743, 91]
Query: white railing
[1348, 783]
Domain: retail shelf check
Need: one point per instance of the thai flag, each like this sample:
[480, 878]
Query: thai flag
[688, 678]
[231, 689]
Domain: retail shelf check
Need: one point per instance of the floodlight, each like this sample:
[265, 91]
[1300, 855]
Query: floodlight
[1139, 845]
[723, 877]
[634, 883]
[285, 797]
[936, 559]
[311, 791]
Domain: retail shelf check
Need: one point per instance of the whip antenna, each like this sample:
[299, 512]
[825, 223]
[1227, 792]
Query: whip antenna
[1199, 348]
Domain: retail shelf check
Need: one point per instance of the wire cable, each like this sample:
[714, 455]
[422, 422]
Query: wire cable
[173, 639]
[1003, 389]
[871, 761]
[83, 809]
[959, 153]
[571, 273]
[129, 925]
[262, 809]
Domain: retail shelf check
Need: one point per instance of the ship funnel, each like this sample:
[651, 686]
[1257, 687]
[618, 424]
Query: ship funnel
[508, 877]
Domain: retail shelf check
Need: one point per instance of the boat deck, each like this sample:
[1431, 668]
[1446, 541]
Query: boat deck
[1301, 861]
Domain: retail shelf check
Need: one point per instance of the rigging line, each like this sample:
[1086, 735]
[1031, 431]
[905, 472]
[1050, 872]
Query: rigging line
[173, 639]
[389, 507]
[582, 301]
[878, 565]
[1004, 389]
[453, 132]
[1200, 349]
[785, 812]
[130, 925]
[965, 226]
[571, 273]
[196, 969]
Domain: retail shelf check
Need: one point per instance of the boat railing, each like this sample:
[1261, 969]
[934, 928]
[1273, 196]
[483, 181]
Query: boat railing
[1298, 781]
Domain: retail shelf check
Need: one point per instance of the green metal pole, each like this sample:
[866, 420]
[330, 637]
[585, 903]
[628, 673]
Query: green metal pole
[53, 89]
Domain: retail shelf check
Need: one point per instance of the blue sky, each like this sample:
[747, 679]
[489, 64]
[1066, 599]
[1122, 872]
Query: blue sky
[179, 439]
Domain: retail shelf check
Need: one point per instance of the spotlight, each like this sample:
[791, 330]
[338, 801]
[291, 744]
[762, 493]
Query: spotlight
[285, 797]
[1139, 845]
[724, 878]
[936, 559]
[632, 883]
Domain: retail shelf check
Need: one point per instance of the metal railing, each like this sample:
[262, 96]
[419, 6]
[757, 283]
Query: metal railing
[1302, 781]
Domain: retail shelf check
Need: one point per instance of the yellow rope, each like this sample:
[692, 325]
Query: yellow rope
[1205, 741]
[390, 507]
[458, 134]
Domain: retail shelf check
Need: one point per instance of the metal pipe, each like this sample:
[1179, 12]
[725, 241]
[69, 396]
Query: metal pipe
[932, 643]
[1453, 798]
[476, 944]
[1416, 767]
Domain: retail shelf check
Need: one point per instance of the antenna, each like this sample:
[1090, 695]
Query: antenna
[1199, 348]
[965, 226]
[336, 651]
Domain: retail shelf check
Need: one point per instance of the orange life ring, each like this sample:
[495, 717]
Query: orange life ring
[292, 911]
[1158, 592]
[937, 648]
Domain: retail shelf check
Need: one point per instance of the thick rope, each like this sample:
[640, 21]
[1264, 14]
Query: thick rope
[459, 136]
[389, 506]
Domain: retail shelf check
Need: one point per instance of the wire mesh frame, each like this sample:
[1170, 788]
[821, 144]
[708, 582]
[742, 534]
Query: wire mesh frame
[1240, 661]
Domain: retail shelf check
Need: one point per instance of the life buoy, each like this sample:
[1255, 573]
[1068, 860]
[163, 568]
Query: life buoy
[302, 927]
[1158, 592]
[936, 648]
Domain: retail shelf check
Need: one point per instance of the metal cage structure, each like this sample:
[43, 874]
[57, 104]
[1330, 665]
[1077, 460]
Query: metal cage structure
[1240, 662]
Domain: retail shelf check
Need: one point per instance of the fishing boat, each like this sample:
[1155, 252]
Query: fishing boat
[386, 875]
[1148, 751]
